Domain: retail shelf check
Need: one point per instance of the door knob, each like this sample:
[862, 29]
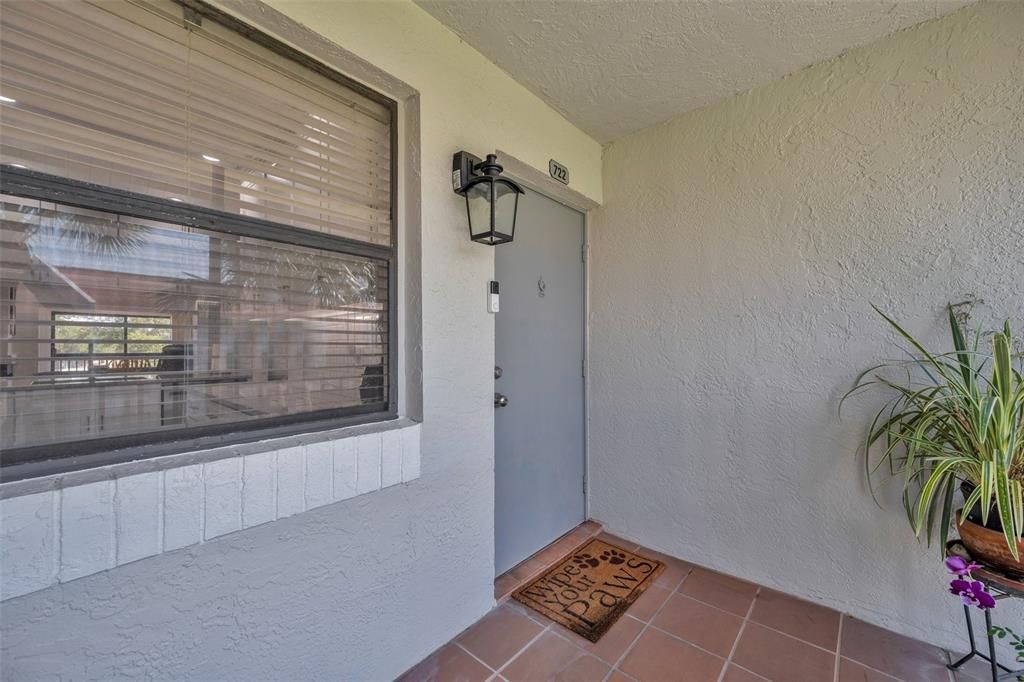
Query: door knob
[500, 400]
[497, 372]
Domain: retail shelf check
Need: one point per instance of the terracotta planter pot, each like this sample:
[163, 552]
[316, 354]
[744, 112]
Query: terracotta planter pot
[989, 546]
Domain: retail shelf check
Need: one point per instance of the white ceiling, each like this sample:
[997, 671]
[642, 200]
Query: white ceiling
[616, 66]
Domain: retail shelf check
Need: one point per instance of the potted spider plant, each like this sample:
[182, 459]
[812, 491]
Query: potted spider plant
[955, 423]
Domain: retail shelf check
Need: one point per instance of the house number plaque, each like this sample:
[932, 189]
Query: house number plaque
[558, 172]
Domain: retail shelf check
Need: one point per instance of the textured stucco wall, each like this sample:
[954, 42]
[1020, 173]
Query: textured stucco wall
[362, 589]
[734, 261]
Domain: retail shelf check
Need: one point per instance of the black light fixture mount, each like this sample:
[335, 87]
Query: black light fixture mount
[492, 201]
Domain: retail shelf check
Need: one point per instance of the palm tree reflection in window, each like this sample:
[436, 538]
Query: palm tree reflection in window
[244, 306]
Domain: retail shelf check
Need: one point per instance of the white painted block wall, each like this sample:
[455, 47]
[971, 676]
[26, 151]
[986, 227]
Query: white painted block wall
[67, 533]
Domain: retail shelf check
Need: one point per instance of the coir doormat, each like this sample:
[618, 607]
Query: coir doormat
[589, 589]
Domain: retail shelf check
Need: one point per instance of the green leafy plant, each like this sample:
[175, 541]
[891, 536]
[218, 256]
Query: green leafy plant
[957, 417]
[1016, 641]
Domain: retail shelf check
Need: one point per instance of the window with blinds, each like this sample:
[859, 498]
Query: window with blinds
[197, 231]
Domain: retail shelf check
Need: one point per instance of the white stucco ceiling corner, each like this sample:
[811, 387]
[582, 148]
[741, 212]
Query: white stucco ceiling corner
[615, 66]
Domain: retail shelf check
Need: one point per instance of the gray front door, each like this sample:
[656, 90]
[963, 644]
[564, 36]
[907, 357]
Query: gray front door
[538, 449]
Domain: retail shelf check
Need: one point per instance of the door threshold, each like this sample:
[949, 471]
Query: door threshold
[525, 571]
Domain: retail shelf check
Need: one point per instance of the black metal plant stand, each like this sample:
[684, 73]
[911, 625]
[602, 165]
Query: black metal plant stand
[999, 671]
[1000, 587]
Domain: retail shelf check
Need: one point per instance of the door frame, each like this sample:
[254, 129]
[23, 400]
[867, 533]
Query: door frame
[538, 181]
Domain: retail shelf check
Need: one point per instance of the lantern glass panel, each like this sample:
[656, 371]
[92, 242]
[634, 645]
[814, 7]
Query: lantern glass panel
[505, 201]
[478, 207]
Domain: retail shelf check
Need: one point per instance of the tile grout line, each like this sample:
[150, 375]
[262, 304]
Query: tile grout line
[884, 674]
[839, 656]
[587, 652]
[697, 646]
[757, 589]
[757, 593]
[739, 635]
[691, 644]
[839, 648]
[762, 625]
[875, 670]
[950, 672]
[629, 648]
[471, 655]
[731, 613]
[735, 615]
[786, 634]
[455, 640]
[749, 671]
[523, 650]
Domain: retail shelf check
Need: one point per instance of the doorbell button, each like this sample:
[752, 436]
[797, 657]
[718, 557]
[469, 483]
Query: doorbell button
[492, 297]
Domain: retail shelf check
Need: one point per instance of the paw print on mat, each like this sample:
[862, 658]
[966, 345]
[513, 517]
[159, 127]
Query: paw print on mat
[612, 556]
[585, 559]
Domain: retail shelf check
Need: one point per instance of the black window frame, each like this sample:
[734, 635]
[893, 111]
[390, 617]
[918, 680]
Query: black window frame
[40, 460]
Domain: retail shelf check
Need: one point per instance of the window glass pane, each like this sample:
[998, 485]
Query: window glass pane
[91, 332]
[67, 348]
[150, 334]
[85, 327]
[99, 334]
[171, 327]
[112, 325]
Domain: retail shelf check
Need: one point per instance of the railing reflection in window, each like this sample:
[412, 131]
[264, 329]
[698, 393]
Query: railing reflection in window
[127, 326]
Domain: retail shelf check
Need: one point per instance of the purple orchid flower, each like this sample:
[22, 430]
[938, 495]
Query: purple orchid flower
[972, 593]
[959, 566]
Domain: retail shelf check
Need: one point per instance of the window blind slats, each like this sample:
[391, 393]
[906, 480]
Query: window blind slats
[124, 95]
[313, 85]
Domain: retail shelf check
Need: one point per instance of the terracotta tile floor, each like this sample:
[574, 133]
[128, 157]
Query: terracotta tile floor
[693, 625]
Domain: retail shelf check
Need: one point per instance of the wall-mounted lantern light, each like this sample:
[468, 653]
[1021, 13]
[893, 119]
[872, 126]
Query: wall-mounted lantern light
[491, 200]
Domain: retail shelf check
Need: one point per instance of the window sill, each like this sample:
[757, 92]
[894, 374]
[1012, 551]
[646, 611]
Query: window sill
[61, 527]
